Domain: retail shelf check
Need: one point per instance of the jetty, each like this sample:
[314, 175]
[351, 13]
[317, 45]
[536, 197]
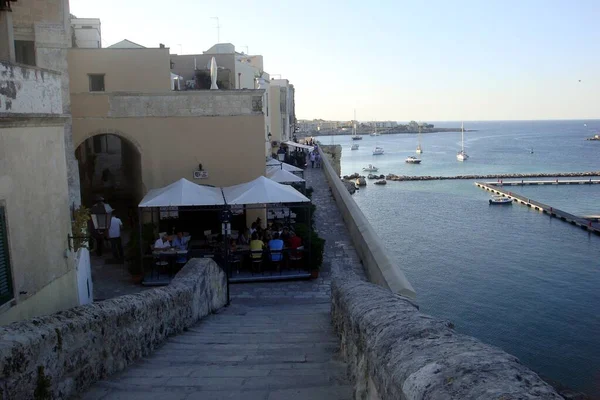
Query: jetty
[583, 223]
[550, 182]
[393, 177]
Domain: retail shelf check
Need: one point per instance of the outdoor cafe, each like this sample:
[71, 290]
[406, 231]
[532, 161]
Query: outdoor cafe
[258, 230]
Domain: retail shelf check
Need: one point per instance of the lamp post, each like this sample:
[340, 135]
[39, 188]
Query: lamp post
[225, 218]
[101, 217]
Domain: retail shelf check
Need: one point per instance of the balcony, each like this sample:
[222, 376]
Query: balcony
[29, 90]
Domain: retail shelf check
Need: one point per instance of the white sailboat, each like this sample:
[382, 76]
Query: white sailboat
[375, 133]
[354, 135]
[419, 148]
[462, 155]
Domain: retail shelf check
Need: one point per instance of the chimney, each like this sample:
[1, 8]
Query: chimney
[160, 45]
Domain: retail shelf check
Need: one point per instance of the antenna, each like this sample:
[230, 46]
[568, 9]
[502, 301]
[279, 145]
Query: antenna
[246, 50]
[218, 29]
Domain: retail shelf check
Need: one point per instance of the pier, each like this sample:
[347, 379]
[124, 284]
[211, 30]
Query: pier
[548, 182]
[546, 209]
[393, 177]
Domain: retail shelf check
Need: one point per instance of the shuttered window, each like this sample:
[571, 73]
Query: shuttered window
[6, 292]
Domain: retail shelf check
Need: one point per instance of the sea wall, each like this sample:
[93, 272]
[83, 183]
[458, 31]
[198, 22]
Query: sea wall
[379, 267]
[395, 352]
[393, 177]
[60, 355]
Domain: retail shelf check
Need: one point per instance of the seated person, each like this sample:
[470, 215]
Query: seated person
[162, 243]
[243, 237]
[180, 242]
[253, 228]
[285, 234]
[294, 241]
[256, 245]
[276, 244]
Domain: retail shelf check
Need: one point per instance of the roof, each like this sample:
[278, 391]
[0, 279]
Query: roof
[282, 176]
[183, 193]
[126, 44]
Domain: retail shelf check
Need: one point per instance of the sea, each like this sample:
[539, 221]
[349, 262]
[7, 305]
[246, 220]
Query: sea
[508, 275]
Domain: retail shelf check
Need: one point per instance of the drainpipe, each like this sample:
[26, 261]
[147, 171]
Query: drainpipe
[239, 80]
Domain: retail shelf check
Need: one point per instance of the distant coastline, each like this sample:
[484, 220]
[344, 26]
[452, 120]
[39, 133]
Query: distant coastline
[389, 131]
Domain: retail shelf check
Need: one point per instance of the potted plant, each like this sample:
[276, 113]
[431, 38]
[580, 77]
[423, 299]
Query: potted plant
[132, 251]
[314, 249]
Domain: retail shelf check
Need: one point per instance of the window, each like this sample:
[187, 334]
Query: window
[96, 82]
[6, 292]
[25, 52]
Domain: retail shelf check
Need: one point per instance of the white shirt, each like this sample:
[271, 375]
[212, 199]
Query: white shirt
[115, 227]
[160, 245]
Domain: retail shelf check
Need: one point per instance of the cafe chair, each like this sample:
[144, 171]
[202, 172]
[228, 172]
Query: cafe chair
[256, 261]
[276, 258]
[296, 256]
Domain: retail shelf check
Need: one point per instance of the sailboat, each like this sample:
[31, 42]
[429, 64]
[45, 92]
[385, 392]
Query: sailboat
[462, 155]
[354, 135]
[419, 148]
[375, 133]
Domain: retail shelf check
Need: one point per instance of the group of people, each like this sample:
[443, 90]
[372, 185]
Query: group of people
[315, 159]
[275, 240]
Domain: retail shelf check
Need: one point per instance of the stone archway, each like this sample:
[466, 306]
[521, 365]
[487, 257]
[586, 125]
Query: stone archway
[110, 165]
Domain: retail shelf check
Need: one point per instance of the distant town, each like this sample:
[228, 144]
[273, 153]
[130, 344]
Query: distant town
[318, 127]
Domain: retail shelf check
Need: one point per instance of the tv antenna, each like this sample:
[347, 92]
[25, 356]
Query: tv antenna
[218, 29]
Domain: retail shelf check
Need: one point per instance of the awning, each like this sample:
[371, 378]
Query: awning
[272, 162]
[302, 146]
[282, 176]
[183, 193]
[262, 191]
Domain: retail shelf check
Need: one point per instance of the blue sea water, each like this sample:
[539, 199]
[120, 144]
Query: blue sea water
[509, 275]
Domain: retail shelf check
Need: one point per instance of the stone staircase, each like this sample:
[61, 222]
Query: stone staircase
[258, 351]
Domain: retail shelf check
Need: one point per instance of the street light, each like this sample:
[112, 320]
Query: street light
[101, 215]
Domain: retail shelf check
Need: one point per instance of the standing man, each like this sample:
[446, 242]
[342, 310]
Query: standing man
[114, 235]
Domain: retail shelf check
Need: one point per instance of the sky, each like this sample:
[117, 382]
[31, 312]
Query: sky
[433, 60]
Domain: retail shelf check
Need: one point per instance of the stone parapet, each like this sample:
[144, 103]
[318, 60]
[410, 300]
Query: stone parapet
[193, 103]
[29, 90]
[60, 355]
[395, 352]
[379, 267]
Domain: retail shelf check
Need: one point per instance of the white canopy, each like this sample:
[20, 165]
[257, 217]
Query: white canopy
[262, 191]
[272, 162]
[183, 193]
[300, 145]
[282, 176]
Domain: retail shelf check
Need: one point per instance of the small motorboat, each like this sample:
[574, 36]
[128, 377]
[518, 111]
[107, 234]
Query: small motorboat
[378, 151]
[354, 147]
[370, 168]
[413, 160]
[500, 200]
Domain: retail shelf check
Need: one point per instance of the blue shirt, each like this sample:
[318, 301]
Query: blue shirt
[179, 244]
[276, 245]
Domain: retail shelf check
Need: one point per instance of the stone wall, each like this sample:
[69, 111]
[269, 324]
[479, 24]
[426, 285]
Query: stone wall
[60, 355]
[29, 90]
[379, 267]
[193, 103]
[395, 352]
[334, 155]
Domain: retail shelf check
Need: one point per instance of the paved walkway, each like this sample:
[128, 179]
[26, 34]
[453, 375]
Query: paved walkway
[275, 340]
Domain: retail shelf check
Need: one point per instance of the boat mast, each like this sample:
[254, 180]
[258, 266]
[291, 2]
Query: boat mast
[354, 124]
[462, 137]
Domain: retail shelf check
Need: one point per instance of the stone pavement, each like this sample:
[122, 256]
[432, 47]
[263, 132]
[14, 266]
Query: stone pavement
[275, 340]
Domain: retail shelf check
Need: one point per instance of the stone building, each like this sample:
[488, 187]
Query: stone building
[38, 171]
[164, 135]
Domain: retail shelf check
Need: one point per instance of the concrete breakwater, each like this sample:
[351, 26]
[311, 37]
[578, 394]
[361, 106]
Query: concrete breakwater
[393, 177]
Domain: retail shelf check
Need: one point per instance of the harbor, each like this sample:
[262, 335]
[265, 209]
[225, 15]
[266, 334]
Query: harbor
[586, 224]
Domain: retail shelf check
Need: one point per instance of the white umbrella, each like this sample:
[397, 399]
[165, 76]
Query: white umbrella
[213, 73]
[282, 176]
[262, 191]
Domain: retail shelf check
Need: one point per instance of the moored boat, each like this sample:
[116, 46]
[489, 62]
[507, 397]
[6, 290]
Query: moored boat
[412, 160]
[378, 151]
[354, 147]
[501, 200]
[370, 168]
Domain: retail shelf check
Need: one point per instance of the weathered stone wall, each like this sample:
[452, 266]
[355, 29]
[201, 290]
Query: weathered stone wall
[395, 352]
[29, 90]
[334, 155]
[62, 354]
[192, 103]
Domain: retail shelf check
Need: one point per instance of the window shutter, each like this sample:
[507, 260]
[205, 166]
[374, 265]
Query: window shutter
[6, 292]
